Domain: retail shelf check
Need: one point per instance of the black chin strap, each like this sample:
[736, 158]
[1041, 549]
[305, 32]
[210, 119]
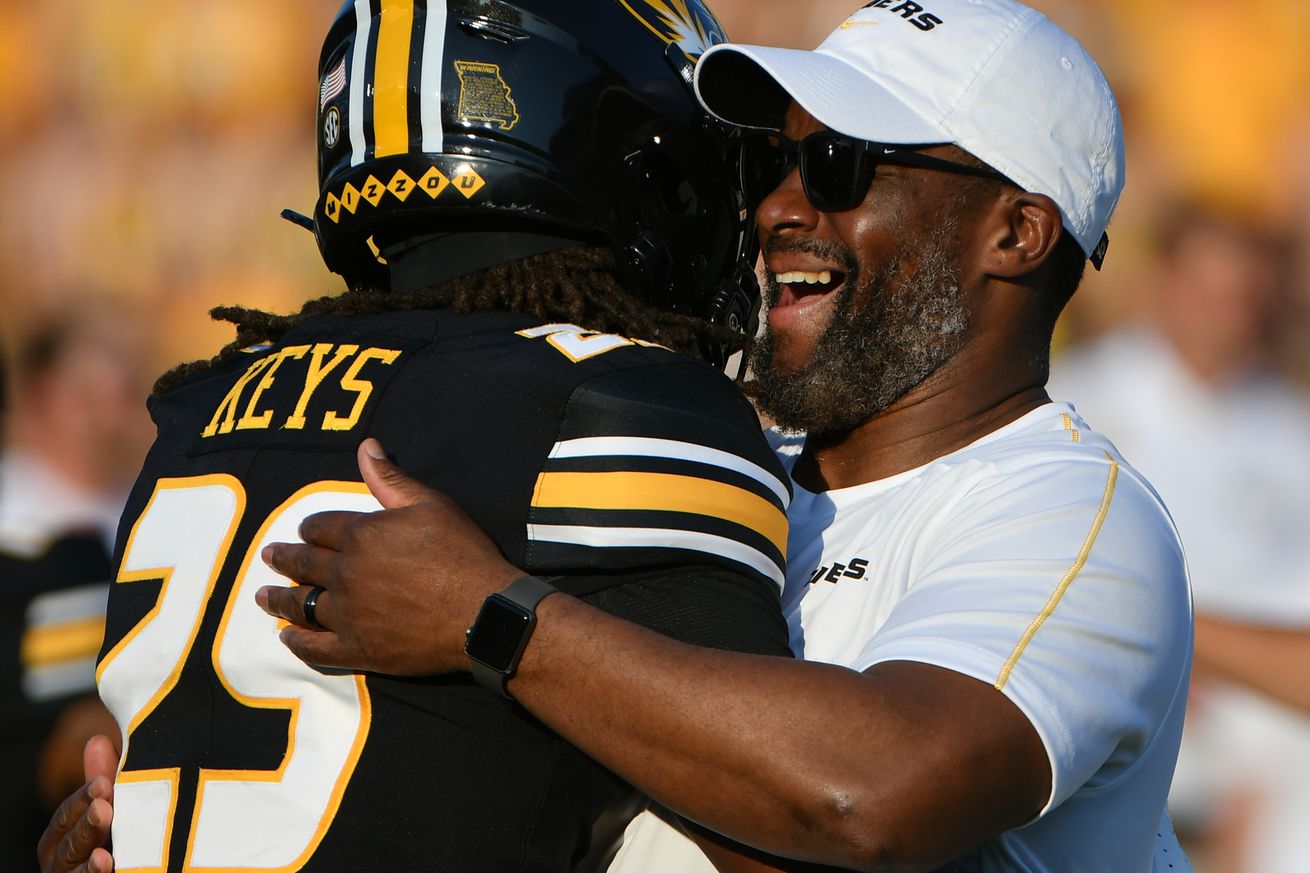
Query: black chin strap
[432, 260]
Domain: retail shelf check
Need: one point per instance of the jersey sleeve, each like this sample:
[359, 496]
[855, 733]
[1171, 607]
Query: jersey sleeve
[1062, 585]
[655, 468]
[701, 605]
[661, 503]
[53, 616]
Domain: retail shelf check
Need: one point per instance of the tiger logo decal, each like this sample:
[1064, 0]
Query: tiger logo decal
[677, 22]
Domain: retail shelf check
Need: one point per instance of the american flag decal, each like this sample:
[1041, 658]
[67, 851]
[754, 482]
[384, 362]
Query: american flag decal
[334, 84]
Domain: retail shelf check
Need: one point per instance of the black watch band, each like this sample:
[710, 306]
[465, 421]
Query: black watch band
[495, 642]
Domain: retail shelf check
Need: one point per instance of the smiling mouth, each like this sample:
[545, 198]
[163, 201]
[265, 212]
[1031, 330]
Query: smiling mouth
[796, 285]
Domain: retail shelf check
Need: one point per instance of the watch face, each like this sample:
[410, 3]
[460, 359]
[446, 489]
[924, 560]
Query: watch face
[498, 632]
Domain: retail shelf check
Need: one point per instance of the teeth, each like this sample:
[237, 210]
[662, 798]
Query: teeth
[797, 277]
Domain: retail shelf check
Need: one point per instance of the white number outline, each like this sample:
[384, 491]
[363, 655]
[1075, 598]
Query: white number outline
[579, 344]
[238, 618]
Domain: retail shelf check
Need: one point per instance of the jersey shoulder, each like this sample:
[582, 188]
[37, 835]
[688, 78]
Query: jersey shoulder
[605, 385]
[1052, 452]
[659, 460]
[626, 455]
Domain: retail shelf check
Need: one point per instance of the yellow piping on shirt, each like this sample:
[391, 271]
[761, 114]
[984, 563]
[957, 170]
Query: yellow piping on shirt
[1060, 589]
[1073, 431]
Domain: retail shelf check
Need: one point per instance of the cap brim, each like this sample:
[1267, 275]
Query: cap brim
[752, 86]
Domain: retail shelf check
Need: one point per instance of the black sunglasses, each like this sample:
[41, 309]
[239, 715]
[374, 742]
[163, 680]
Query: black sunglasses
[836, 170]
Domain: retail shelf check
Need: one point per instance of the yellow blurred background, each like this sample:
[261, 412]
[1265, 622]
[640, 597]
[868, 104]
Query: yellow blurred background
[148, 145]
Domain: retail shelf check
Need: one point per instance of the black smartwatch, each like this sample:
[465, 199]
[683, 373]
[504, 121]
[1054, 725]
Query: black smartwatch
[495, 642]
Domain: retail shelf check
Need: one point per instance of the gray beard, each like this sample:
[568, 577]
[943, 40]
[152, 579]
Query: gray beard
[905, 327]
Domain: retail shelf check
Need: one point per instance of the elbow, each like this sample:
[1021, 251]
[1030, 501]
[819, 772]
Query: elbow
[860, 831]
[852, 835]
[858, 836]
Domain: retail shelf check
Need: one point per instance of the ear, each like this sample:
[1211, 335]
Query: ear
[1027, 227]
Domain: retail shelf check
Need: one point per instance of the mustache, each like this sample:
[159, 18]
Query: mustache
[827, 251]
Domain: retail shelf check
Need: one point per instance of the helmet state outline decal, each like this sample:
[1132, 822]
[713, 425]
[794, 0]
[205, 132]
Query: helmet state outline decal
[485, 96]
[676, 22]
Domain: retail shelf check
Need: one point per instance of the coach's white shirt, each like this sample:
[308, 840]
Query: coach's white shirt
[1037, 561]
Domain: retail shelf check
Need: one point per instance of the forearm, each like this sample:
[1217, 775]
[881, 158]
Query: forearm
[698, 730]
[728, 856]
[1272, 661]
[798, 759]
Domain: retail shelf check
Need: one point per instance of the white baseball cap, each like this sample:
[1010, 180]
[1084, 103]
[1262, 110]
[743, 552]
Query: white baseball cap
[994, 77]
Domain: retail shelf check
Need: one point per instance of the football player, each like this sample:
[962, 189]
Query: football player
[543, 239]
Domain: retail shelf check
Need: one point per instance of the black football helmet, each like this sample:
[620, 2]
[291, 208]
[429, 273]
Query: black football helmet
[572, 119]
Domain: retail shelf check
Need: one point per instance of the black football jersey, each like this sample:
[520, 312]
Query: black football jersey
[637, 475]
[52, 609]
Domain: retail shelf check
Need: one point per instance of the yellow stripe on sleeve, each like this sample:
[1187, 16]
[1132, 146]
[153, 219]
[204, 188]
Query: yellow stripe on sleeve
[57, 643]
[663, 492]
[391, 79]
[1058, 594]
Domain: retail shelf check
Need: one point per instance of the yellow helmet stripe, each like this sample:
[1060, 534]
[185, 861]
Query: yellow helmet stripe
[391, 82]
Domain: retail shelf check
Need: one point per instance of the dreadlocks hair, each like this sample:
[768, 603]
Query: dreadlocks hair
[576, 285]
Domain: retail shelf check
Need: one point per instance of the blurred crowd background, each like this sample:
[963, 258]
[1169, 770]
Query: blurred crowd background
[149, 145]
